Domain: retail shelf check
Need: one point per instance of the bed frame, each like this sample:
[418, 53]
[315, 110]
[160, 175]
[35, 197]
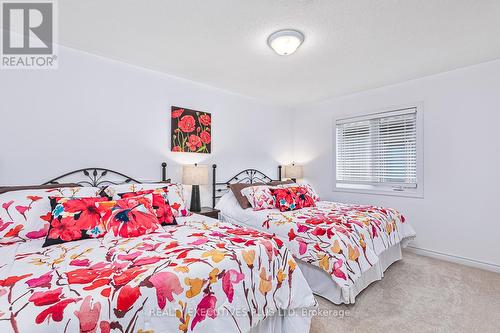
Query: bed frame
[97, 177]
[247, 176]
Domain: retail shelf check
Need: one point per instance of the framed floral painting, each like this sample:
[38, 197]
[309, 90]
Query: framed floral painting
[191, 131]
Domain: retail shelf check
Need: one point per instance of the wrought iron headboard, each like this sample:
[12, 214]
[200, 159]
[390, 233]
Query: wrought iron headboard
[249, 176]
[97, 177]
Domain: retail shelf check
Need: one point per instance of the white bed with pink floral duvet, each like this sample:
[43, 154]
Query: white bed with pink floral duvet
[340, 248]
[201, 275]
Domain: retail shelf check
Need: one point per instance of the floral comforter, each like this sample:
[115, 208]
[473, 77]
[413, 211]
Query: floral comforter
[343, 240]
[200, 276]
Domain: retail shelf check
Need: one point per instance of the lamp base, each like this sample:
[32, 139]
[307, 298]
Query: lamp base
[195, 199]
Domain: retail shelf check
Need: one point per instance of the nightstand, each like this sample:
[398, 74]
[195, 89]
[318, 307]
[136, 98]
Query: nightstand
[209, 212]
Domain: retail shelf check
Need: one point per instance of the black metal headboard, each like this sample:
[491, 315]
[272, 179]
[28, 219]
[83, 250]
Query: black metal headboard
[248, 176]
[97, 177]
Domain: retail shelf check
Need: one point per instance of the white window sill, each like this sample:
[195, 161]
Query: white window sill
[409, 193]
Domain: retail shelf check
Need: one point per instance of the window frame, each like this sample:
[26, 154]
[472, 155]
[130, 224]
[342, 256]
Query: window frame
[416, 192]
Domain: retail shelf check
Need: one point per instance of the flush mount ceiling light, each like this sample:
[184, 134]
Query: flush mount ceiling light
[285, 42]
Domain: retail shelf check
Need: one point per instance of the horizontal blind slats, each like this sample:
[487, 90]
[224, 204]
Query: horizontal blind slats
[381, 149]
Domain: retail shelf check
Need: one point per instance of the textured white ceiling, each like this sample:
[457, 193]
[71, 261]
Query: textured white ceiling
[350, 45]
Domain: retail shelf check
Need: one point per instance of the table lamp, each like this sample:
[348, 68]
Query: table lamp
[293, 171]
[195, 175]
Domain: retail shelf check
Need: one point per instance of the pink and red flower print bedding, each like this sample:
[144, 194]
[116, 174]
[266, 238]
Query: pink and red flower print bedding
[194, 277]
[343, 240]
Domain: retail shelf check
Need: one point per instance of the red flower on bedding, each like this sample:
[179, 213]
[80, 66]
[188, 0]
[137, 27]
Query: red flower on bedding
[187, 124]
[160, 204]
[65, 229]
[292, 198]
[194, 142]
[55, 311]
[127, 297]
[41, 298]
[129, 217]
[205, 137]
[89, 215]
[205, 119]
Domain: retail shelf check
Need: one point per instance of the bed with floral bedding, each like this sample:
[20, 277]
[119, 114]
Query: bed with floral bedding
[200, 276]
[80, 259]
[351, 245]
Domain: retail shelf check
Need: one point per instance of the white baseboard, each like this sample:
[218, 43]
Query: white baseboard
[455, 259]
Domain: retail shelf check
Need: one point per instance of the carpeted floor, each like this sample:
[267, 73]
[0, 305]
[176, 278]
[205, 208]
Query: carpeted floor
[419, 294]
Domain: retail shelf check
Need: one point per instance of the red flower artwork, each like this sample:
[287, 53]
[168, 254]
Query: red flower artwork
[187, 124]
[205, 119]
[205, 137]
[191, 131]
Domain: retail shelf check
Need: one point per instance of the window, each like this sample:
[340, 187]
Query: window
[379, 152]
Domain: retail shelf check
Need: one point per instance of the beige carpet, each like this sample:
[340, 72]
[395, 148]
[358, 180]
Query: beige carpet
[420, 294]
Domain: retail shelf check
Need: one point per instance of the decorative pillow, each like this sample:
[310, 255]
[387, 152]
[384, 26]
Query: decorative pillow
[292, 198]
[260, 197]
[25, 214]
[74, 219]
[160, 204]
[113, 191]
[310, 190]
[281, 182]
[175, 194]
[177, 201]
[312, 193]
[242, 200]
[130, 217]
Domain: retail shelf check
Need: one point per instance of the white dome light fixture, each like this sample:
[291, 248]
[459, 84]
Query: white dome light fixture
[285, 42]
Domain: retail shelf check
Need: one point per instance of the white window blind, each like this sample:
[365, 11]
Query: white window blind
[379, 149]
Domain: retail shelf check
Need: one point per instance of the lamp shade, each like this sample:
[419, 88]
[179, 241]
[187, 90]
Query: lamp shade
[195, 174]
[293, 171]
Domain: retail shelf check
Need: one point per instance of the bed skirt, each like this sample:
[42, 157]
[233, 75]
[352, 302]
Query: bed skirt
[298, 321]
[322, 285]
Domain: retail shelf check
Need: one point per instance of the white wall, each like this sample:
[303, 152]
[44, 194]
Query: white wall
[96, 112]
[458, 215]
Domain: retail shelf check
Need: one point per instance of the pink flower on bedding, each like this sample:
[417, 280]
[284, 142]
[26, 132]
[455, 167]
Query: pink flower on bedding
[205, 308]
[80, 262]
[302, 247]
[88, 315]
[337, 269]
[146, 261]
[4, 225]
[22, 210]
[39, 233]
[166, 284]
[230, 278]
[41, 281]
[6, 205]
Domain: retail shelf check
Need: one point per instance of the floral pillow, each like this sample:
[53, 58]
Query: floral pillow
[260, 197]
[74, 219]
[160, 204]
[177, 201]
[175, 194]
[129, 217]
[292, 198]
[25, 215]
[310, 190]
